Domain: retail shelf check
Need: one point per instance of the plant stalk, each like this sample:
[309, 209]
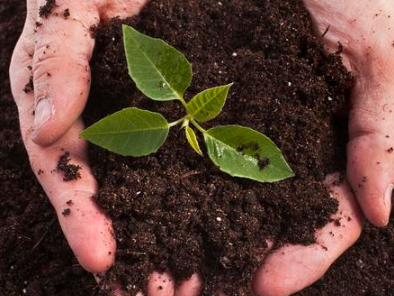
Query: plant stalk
[197, 125]
[182, 101]
[177, 122]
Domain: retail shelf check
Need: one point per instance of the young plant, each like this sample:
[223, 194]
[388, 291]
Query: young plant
[162, 73]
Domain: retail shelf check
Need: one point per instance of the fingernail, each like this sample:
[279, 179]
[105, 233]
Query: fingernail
[388, 196]
[387, 204]
[44, 111]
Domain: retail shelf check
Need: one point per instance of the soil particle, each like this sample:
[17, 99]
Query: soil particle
[263, 162]
[70, 171]
[29, 86]
[69, 202]
[337, 222]
[93, 31]
[251, 146]
[390, 150]
[47, 8]
[66, 13]
[325, 31]
[66, 212]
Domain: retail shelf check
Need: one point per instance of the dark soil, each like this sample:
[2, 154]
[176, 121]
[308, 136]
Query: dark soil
[47, 8]
[70, 171]
[29, 86]
[166, 206]
[66, 13]
[209, 222]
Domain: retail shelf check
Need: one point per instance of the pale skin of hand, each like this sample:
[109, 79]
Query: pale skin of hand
[63, 48]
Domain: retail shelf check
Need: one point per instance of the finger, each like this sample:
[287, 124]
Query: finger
[61, 72]
[122, 9]
[294, 267]
[370, 168]
[160, 284]
[86, 227]
[190, 287]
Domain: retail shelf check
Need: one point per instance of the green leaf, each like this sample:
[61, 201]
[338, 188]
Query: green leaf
[129, 132]
[208, 104]
[243, 152]
[192, 139]
[160, 71]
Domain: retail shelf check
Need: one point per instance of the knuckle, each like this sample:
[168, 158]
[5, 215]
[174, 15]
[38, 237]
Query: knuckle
[56, 64]
[364, 122]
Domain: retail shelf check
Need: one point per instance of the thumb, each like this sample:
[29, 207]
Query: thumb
[61, 72]
[69, 186]
[370, 166]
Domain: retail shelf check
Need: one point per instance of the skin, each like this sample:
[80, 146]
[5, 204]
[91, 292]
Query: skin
[63, 49]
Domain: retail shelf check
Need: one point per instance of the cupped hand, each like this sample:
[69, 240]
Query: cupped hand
[362, 30]
[50, 80]
[365, 30]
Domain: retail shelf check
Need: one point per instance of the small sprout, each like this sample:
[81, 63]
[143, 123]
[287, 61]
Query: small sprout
[163, 73]
[192, 139]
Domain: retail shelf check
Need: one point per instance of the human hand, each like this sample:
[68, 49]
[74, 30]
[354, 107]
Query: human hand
[364, 28]
[53, 53]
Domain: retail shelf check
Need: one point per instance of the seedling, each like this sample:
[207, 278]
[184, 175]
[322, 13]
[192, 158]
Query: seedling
[162, 73]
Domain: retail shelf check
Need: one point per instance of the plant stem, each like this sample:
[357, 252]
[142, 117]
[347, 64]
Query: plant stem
[182, 101]
[177, 122]
[197, 125]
